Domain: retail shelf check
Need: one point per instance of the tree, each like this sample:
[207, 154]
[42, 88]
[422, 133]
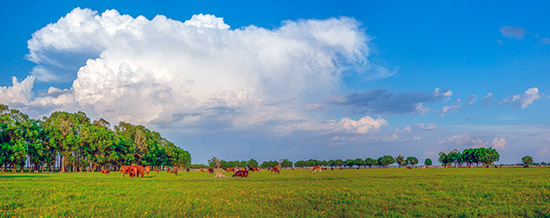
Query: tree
[428, 162]
[412, 161]
[214, 162]
[527, 160]
[444, 159]
[286, 163]
[339, 162]
[386, 160]
[252, 163]
[359, 162]
[350, 162]
[370, 162]
[400, 160]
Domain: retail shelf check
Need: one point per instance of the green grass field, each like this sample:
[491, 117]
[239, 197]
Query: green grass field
[476, 192]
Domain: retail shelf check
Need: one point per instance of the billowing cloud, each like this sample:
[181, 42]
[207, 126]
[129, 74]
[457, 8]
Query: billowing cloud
[380, 101]
[362, 125]
[498, 143]
[193, 74]
[18, 93]
[466, 140]
[525, 99]
[513, 32]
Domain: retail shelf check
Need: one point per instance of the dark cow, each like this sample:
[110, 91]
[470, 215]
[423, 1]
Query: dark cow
[210, 170]
[105, 171]
[276, 169]
[187, 170]
[241, 173]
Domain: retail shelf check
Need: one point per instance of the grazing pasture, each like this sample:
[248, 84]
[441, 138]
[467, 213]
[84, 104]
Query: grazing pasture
[451, 192]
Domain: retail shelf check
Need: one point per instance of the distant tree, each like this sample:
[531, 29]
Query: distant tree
[331, 163]
[359, 162]
[370, 162]
[286, 163]
[350, 162]
[252, 163]
[214, 162]
[400, 160]
[527, 160]
[386, 160]
[428, 162]
[444, 159]
[412, 161]
[324, 163]
[339, 162]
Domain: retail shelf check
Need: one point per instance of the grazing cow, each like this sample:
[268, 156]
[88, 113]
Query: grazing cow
[331, 168]
[219, 175]
[202, 170]
[526, 166]
[229, 169]
[104, 171]
[168, 170]
[241, 173]
[147, 169]
[341, 168]
[255, 169]
[210, 170]
[276, 169]
[292, 168]
[316, 169]
[157, 170]
[468, 166]
[175, 171]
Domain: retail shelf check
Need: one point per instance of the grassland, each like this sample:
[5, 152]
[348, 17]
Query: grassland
[479, 192]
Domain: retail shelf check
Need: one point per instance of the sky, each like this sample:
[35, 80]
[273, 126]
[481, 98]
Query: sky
[286, 79]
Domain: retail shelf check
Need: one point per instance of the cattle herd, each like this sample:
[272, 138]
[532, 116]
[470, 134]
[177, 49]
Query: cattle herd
[136, 171]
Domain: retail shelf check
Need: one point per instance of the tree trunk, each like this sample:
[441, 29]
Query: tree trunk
[62, 164]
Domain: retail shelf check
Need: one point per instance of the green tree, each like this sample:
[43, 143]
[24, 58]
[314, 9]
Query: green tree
[386, 160]
[412, 161]
[214, 162]
[359, 162]
[400, 160]
[527, 160]
[370, 162]
[428, 162]
[350, 162]
[339, 162]
[286, 163]
[252, 163]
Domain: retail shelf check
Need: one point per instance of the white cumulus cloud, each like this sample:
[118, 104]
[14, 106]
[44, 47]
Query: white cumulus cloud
[197, 72]
[525, 99]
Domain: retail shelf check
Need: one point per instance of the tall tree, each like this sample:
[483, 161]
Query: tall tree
[412, 161]
[527, 160]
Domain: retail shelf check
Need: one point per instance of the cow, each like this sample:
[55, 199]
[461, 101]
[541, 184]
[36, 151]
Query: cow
[202, 170]
[292, 168]
[210, 170]
[276, 169]
[332, 168]
[168, 170]
[105, 171]
[256, 169]
[187, 170]
[241, 173]
[316, 169]
[229, 169]
[219, 175]
[147, 169]
[157, 170]
[409, 167]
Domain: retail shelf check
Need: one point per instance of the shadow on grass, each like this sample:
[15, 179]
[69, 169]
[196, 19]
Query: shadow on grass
[9, 176]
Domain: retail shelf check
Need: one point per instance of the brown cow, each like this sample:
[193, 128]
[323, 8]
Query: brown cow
[210, 170]
[187, 170]
[147, 169]
[105, 171]
[202, 170]
[276, 169]
[241, 173]
[229, 169]
[157, 170]
[255, 169]
[316, 169]
[168, 170]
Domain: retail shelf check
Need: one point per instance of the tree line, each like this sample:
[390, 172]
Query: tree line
[72, 142]
[469, 156]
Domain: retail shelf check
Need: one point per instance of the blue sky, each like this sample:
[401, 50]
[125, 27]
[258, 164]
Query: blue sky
[315, 79]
